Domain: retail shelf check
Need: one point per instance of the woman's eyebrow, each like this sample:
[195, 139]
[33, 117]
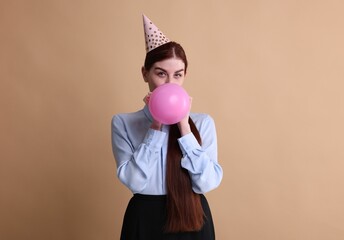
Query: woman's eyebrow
[161, 69]
[181, 70]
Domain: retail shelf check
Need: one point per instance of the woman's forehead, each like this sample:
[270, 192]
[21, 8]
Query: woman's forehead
[170, 63]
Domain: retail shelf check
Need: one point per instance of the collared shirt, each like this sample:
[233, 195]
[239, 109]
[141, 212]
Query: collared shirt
[140, 153]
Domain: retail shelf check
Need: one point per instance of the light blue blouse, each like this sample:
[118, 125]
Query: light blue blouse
[140, 153]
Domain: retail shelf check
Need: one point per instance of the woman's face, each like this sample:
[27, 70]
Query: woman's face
[171, 70]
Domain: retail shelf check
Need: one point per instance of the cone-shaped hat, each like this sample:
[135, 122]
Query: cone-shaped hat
[153, 36]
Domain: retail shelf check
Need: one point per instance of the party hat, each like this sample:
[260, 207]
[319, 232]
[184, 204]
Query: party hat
[153, 36]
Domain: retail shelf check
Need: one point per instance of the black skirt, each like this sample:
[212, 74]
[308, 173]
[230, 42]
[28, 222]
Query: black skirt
[145, 218]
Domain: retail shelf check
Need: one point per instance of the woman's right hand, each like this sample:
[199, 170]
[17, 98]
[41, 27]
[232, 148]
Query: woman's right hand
[146, 98]
[156, 125]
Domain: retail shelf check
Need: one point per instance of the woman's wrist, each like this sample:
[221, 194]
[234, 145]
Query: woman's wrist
[156, 125]
[184, 128]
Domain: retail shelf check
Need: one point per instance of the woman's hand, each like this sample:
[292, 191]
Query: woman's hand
[156, 125]
[146, 98]
[183, 125]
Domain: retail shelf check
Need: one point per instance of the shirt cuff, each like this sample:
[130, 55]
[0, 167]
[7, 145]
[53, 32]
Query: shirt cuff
[188, 143]
[154, 139]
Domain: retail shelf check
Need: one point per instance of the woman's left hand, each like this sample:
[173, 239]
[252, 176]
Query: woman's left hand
[183, 125]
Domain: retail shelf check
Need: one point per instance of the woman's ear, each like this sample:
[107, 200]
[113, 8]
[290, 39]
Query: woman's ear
[144, 74]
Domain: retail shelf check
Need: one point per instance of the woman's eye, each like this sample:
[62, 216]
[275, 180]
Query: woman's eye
[161, 74]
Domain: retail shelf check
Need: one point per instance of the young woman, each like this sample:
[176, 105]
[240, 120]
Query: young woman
[167, 167]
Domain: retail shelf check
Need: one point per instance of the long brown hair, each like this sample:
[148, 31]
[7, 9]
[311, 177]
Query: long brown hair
[184, 209]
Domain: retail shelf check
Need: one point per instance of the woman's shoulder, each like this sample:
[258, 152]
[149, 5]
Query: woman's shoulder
[201, 118]
[203, 122]
[129, 116]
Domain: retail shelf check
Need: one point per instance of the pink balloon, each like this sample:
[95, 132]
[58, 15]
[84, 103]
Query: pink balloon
[169, 103]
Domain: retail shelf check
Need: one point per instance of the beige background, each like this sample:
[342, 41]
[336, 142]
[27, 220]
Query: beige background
[269, 72]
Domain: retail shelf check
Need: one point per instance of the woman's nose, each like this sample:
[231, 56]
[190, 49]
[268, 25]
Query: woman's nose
[170, 80]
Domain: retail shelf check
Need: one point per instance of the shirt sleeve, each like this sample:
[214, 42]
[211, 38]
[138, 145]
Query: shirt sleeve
[134, 164]
[201, 161]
